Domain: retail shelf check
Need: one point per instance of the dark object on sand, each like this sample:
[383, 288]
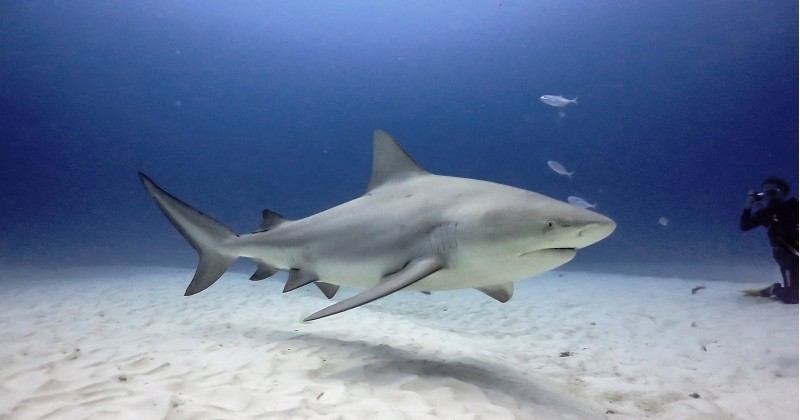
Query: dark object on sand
[697, 289]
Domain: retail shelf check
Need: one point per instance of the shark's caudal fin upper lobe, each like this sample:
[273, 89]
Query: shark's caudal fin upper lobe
[206, 235]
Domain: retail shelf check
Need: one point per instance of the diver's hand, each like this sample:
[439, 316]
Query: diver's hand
[751, 198]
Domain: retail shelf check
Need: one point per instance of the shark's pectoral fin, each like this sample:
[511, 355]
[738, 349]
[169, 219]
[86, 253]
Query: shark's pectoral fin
[501, 292]
[413, 272]
[299, 278]
[328, 289]
[263, 270]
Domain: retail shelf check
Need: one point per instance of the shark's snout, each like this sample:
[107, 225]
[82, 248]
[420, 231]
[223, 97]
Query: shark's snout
[595, 231]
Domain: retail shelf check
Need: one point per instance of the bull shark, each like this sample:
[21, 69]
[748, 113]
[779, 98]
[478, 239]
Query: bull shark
[410, 230]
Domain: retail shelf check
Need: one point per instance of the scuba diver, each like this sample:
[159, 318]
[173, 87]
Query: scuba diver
[773, 209]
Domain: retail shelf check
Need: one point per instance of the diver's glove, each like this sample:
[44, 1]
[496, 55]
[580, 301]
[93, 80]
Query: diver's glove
[751, 198]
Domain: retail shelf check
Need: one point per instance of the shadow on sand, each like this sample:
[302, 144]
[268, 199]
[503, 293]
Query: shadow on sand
[380, 365]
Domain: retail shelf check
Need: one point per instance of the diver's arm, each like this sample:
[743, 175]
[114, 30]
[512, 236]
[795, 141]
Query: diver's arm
[750, 220]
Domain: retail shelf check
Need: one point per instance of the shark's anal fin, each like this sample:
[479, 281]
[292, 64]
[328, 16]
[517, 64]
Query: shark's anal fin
[413, 272]
[263, 270]
[328, 289]
[299, 278]
[502, 292]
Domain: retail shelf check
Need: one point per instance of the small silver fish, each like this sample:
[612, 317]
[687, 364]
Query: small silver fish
[577, 201]
[558, 100]
[559, 168]
[663, 221]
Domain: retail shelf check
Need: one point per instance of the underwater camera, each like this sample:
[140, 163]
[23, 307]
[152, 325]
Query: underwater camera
[757, 196]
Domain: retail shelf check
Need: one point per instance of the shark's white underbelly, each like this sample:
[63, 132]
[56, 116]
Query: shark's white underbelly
[363, 267]
[461, 273]
[367, 276]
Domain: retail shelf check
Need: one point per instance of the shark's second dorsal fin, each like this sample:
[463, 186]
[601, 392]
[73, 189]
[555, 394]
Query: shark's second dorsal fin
[389, 161]
[271, 219]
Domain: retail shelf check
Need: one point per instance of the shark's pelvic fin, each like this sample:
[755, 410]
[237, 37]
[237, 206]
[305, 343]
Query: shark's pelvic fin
[206, 235]
[413, 272]
[299, 278]
[328, 289]
[389, 161]
[271, 219]
[502, 292]
[263, 270]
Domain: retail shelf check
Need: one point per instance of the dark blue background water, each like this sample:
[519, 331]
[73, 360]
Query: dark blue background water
[244, 105]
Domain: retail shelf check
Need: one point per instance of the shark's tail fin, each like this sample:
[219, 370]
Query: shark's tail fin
[575, 101]
[207, 236]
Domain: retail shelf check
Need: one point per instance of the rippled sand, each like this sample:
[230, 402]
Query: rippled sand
[125, 343]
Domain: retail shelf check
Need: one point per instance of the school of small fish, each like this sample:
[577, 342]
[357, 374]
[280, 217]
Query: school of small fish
[560, 102]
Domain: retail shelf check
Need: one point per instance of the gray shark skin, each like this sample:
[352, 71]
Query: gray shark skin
[411, 230]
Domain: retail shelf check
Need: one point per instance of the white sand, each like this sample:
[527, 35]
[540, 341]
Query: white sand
[124, 343]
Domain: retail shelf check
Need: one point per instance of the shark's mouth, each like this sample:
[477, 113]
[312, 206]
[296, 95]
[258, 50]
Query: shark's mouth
[549, 251]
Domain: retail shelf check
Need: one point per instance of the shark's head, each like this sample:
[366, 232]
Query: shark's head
[532, 229]
[552, 224]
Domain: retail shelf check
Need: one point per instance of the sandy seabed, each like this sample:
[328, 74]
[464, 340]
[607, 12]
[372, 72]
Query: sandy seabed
[124, 343]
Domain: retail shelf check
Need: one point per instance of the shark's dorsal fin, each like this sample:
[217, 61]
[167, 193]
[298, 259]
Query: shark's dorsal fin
[389, 161]
[271, 219]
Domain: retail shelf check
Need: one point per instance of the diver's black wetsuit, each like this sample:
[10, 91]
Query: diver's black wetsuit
[781, 222]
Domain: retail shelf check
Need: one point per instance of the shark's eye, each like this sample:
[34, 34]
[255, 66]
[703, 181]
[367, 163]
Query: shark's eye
[549, 224]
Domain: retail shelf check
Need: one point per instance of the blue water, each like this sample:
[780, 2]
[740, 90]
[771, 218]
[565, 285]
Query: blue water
[243, 105]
